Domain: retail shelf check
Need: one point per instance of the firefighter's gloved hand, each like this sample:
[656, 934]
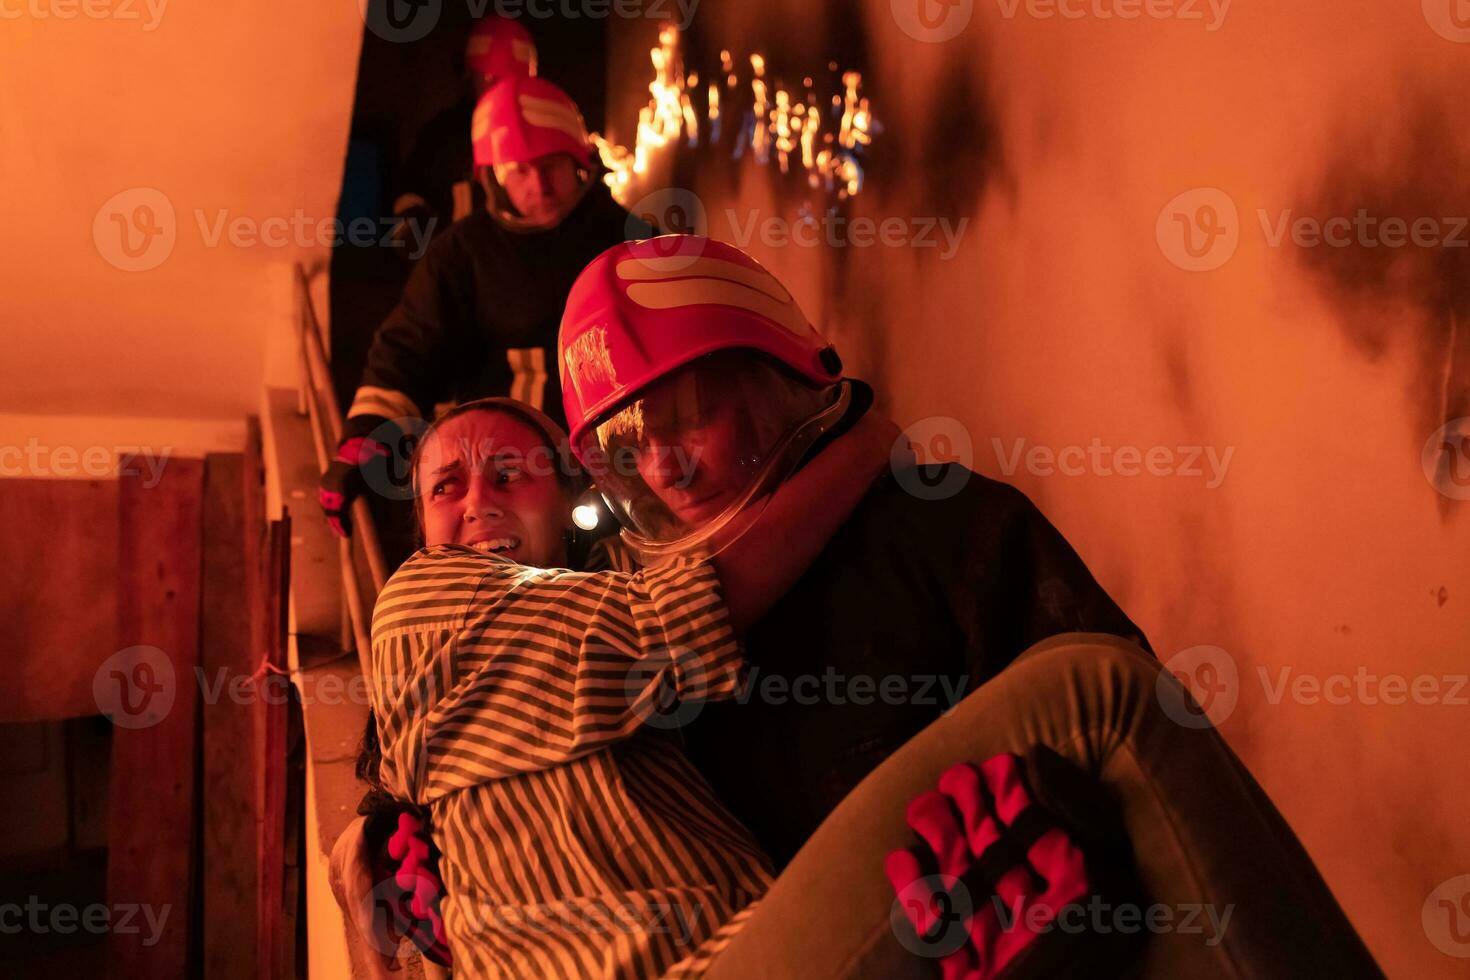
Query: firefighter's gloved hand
[343, 482]
[418, 875]
[1008, 846]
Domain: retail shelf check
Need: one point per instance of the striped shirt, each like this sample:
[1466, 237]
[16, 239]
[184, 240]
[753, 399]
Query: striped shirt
[577, 840]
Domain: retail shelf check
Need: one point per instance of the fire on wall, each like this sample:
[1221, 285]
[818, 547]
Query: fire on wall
[1196, 278]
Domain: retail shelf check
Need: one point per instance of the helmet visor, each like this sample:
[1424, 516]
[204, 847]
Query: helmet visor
[701, 446]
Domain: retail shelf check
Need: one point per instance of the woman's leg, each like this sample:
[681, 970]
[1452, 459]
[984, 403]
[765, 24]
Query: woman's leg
[1207, 842]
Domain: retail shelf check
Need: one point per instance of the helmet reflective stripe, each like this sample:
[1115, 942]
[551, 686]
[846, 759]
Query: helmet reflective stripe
[528, 375]
[681, 266]
[719, 292]
[553, 115]
[523, 51]
[682, 282]
[480, 121]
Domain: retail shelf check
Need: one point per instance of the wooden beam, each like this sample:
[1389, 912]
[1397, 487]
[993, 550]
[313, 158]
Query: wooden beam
[228, 789]
[272, 732]
[155, 749]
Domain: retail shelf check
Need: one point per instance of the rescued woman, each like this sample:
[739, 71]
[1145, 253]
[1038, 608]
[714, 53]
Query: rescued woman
[512, 696]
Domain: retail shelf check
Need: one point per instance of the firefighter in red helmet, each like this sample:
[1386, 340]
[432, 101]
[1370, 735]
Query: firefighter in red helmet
[438, 181]
[947, 668]
[479, 314]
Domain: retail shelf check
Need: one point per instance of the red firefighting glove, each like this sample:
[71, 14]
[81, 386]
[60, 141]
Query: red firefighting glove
[343, 482]
[417, 913]
[1008, 846]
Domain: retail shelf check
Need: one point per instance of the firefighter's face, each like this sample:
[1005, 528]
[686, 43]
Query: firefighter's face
[490, 481]
[542, 190]
[699, 446]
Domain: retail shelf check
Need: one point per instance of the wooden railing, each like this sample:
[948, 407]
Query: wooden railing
[363, 549]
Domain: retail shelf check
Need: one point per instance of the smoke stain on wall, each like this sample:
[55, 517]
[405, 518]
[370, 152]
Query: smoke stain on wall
[1409, 166]
[1174, 353]
[947, 158]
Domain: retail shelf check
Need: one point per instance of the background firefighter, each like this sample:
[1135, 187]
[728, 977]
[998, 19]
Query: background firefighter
[479, 314]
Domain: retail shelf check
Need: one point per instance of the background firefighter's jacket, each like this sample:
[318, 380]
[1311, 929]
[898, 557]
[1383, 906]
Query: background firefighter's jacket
[480, 313]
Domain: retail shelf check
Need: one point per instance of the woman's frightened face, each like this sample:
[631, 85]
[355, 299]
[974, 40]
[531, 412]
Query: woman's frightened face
[490, 481]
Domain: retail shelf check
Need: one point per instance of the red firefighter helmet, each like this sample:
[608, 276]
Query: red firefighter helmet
[679, 433]
[500, 48]
[524, 118]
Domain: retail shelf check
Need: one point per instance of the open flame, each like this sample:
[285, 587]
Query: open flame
[780, 124]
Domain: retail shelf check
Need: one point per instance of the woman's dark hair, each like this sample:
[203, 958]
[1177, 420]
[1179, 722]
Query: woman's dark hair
[379, 807]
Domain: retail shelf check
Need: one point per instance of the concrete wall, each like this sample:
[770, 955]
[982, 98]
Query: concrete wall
[164, 165]
[1071, 313]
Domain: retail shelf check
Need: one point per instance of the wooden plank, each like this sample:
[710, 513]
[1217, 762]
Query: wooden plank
[59, 539]
[228, 788]
[152, 808]
[271, 720]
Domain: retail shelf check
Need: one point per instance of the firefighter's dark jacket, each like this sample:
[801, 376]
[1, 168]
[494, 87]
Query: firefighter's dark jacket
[932, 597]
